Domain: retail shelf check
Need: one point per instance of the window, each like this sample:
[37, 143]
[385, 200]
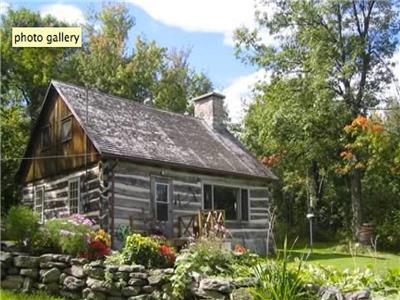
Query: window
[225, 198]
[45, 137]
[66, 129]
[73, 196]
[222, 198]
[162, 201]
[39, 202]
[245, 204]
[207, 196]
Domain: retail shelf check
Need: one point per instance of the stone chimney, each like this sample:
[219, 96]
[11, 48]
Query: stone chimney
[210, 107]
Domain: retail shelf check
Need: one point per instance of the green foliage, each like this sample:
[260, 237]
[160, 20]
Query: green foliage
[14, 133]
[68, 236]
[22, 225]
[388, 231]
[123, 232]
[384, 284]
[209, 257]
[328, 64]
[148, 251]
[11, 295]
[115, 258]
[278, 280]
[26, 72]
[149, 71]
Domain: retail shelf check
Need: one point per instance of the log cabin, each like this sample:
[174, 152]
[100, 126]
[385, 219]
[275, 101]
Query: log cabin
[123, 163]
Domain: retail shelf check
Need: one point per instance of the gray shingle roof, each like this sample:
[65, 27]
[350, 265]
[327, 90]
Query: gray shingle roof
[125, 128]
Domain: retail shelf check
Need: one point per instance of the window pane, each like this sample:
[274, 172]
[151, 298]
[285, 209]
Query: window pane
[162, 211]
[162, 193]
[73, 196]
[245, 205]
[66, 132]
[225, 198]
[207, 197]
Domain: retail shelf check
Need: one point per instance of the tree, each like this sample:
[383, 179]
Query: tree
[342, 47]
[26, 72]
[149, 71]
[14, 134]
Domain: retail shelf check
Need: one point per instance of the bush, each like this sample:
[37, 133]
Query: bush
[148, 251]
[209, 257]
[71, 235]
[22, 225]
[389, 237]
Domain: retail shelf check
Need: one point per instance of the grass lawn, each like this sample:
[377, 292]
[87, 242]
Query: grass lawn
[8, 295]
[329, 255]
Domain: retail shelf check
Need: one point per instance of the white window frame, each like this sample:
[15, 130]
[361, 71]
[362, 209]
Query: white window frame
[156, 202]
[78, 197]
[35, 206]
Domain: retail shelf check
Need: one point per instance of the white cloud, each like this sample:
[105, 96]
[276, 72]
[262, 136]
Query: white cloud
[217, 16]
[239, 93]
[4, 6]
[63, 12]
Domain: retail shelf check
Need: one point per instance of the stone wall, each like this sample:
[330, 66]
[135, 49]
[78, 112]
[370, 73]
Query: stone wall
[77, 278]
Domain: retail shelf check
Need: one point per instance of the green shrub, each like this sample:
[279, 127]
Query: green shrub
[68, 236]
[22, 224]
[141, 250]
[389, 237]
[206, 256]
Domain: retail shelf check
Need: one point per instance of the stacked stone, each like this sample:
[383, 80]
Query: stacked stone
[131, 282]
[77, 278]
[217, 288]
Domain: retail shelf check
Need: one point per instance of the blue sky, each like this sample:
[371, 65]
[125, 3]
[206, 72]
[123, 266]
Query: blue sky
[203, 26]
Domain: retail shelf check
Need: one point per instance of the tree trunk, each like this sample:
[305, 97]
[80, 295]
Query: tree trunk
[356, 199]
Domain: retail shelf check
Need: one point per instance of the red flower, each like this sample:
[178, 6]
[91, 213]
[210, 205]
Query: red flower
[97, 249]
[168, 253]
[240, 249]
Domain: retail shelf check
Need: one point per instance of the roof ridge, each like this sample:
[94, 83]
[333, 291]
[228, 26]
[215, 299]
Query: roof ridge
[130, 101]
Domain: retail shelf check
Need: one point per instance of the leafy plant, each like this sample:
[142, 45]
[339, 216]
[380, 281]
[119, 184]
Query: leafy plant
[122, 232]
[115, 258]
[71, 235]
[22, 225]
[276, 280]
[148, 251]
[206, 256]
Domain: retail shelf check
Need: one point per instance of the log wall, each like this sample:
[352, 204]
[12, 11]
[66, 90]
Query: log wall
[134, 185]
[56, 193]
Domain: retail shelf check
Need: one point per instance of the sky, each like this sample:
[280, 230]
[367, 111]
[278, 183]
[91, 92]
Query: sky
[206, 27]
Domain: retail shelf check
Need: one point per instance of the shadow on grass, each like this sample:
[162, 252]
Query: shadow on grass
[324, 256]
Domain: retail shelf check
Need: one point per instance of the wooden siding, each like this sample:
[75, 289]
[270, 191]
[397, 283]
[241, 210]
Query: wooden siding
[48, 161]
[56, 193]
[133, 198]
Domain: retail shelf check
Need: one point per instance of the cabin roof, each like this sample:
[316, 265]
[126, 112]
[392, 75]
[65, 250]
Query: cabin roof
[127, 129]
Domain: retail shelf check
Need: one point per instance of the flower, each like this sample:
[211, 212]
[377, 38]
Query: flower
[103, 236]
[79, 219]
[167, 253]
[240, 249]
